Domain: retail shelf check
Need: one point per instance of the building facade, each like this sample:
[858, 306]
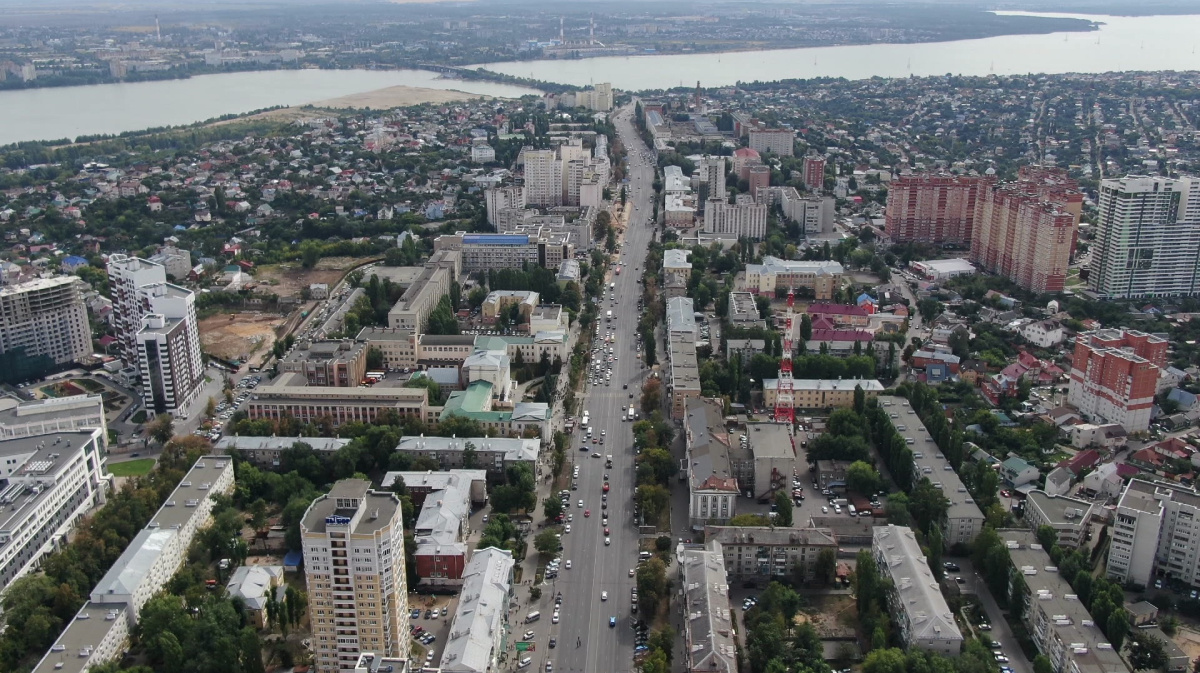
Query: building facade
[499, 199]
[769, 554]
[1154, 534]
[779, 274]
[354, 569]
[779, 141]
[341, 363]
[1147, 240]
[1114, 374]
[45, 320]
[934, 208]
[746, 218]
[126, 276]
[168, 346]
[1026, 230]
[813, 175]
[543, 177]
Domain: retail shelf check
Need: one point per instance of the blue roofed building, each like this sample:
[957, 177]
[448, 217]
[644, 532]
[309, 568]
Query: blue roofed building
[483, 252]
[70, 263]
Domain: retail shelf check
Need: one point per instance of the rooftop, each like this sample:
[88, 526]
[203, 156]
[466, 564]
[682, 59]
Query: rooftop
[708, 443]
[239, 443]
[709, 618]
[774, 265]
[676, 258]
[513, 449]
[905, 564]
[868, 385]
[367, 510]
[1059, 509]
[770, 535]
[483, 604]
[81, 634]
[253, 584]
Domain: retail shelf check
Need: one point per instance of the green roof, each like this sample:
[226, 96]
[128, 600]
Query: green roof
[472, 403]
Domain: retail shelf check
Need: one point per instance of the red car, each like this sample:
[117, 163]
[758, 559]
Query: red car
[1006, 494]
[587, 512]
[606, 487]
[606, 530]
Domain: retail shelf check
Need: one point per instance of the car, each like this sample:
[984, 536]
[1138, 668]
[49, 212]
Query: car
[1002, 659]
[606, 533]
[960, 581]
[1006, 493]
[417, 630]
[587, 512]
[436, 613]
[824, 510]
[606, 487]
[985, 627]
[429, 614]
[524, 663]
[416, 614]
[631, 572]
[603, 595]
[612, 622]
[626, 387]
[607, 541]
[571, 517]
[951, 566]
[549, 667]
[554, 619]
[553, 643]
[580, 504]
[529, 635]
[604, 505]
[567, 565]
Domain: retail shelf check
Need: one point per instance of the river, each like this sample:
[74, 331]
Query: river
[67, 112]
[1122, 43]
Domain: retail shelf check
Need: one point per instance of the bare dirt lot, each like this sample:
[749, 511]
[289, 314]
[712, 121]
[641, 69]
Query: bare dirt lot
[1189, 641]
[233, 335]
[286, 280]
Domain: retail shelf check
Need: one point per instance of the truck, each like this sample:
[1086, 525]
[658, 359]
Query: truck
[608, 317]
[631, 412]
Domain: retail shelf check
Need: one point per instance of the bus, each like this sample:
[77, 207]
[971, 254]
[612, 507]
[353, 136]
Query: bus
[631, 412]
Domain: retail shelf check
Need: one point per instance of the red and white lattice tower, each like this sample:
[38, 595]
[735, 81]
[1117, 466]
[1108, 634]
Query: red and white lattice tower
[785, 398]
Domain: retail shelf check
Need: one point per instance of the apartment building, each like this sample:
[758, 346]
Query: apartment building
[746, 218]
[1155, 533]
[713, 489]
[934, 208]
[822, 393]
[50, 415]
[1114, 374]
[743, 310]
[444, 500]
[44, 323]
[126, 276]
[677, 271]
[1058, 622]
[493, 454]
[814, 214]
[758, 178]
[480, 624]
[964, 519]
[354, 568]
[708, 633]
[289, 395]
[543, 177]
[779, 141]
[168, 344]
[411, 311]
[712, 177]
[599, 97]
[398, 346]
[915, 599]
[1026, 229]
[267, 451]
[481, 252]
[775, 274]
[1069, 517]
[813, 173]
[681, 319]
[177, 263]
[47, 483]
[581, 178]
[765, 554]
[101, 629]
[1148, 238]
[341, 363]
[499, 199]
[683, 374]
[501, 302]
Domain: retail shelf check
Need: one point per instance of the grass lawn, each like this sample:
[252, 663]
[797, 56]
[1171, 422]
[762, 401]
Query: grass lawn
[132, 468]
[139, 417]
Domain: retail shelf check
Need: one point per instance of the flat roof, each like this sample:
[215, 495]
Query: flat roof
[79, 634]
[37, 284]
[513, 448]
[685, 372]
[929, 460]
[1070, 622]
[279, 443]
[681, 315]
[868, 385]
[42, 458]
[919, 593]
[770, 440]
[770, 535]
[369, 502]
[1060, 509]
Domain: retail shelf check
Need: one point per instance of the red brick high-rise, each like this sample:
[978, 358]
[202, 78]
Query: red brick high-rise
[1114, 374]
[814, 173]
[1026, 230]
[937, 208]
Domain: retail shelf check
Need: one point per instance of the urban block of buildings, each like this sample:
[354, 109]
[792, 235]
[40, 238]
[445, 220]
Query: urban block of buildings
[765, 554]
[775, 274]
[444, 500]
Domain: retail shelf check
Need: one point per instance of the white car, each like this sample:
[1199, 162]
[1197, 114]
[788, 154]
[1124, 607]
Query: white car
[568, 564]
[525, 662]
[554, 619]
[603, 595]
[580, 504]
[607, 541]
[567, 528]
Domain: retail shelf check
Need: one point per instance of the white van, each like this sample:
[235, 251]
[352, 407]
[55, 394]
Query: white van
[533, 616]
[853, 512]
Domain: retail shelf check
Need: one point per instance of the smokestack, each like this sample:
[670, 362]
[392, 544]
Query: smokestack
[592, 29]
[561, 39]
[157, 28]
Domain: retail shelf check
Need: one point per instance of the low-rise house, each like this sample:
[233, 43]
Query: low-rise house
[1017, 472]
[1043, 334]
[255, 585]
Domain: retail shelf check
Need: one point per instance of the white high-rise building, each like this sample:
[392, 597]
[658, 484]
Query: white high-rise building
[543, 177]
[168, 348]
[745, 218]
[1148, 238]
[46, 318]
[1155, 534]
[354, 566]
[125, 275]
[500, 199]
[712, 175]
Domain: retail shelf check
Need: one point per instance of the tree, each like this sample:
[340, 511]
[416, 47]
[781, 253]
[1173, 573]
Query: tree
[889, 660]
[258, 514]
[862, 478]
[805, 327]
[162, 428]
[651, 395]
[826, 566]
[1145, 652]
[210, 407]
[1117, 627]
[652, 584]
[860, 396]
[546, 542]
[374, 358]
[934, 557]
[552, 508]
[783, 517]
[1041, 664]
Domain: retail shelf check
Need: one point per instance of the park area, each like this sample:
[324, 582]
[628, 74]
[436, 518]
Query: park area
[286, 280]
[236, 336]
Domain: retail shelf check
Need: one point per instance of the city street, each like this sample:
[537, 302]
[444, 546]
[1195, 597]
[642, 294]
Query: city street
[586, 642]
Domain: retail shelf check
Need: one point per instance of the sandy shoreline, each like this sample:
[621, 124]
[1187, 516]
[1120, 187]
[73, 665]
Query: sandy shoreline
[395, 96]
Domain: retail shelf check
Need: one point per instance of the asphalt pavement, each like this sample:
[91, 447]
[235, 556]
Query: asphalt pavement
[585, 641]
